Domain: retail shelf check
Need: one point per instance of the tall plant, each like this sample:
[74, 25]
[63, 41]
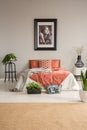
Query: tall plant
[84, 80]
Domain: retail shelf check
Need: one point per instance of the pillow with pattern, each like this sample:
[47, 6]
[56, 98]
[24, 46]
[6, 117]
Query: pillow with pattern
[46, 64]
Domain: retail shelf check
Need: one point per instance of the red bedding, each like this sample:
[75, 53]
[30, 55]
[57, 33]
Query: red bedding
[50, 78]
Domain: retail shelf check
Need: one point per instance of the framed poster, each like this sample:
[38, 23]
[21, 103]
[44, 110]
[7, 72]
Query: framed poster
[45, 31]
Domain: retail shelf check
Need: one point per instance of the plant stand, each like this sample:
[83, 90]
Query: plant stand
[10, 71]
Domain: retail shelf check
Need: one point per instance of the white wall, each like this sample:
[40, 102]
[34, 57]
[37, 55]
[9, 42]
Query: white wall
[17, 30]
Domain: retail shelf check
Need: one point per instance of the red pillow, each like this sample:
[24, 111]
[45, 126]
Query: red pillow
[55, 64]
[33, 64]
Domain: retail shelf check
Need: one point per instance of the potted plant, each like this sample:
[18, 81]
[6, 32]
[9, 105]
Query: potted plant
[33, 88]
[83, 92]
[9, 57]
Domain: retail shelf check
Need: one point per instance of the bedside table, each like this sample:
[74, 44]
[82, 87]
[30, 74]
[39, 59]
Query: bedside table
[77, 72]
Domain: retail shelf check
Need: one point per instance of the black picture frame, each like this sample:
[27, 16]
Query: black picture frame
[45, 34]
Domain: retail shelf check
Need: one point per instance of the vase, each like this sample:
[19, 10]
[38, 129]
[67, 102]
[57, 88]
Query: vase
[79, 62]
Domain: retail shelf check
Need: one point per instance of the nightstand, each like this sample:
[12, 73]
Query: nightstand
[77, 72]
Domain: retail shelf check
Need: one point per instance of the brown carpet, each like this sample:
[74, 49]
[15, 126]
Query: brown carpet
[43, 116]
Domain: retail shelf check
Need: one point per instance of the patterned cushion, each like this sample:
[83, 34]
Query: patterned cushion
[45, 64]
[33, 63]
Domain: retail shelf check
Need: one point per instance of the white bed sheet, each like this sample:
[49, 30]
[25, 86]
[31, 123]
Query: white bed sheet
[69, 83]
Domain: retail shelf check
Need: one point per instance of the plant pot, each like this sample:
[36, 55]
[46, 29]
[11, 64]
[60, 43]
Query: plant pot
[83, 95]
[33, 91]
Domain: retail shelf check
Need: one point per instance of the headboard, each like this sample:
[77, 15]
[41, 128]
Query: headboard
[37, 63]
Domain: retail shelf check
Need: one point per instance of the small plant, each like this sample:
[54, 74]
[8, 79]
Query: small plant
[33, 88]
[84, 80]
[8, 58]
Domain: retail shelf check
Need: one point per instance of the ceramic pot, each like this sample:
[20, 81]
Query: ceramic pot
[83, 95]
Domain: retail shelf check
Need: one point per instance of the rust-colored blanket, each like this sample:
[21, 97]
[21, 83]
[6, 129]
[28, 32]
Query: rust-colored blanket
[50, 78]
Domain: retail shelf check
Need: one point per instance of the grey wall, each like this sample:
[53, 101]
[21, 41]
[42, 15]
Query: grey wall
[17, 30]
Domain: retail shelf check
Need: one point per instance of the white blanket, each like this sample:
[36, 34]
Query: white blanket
[69, 83]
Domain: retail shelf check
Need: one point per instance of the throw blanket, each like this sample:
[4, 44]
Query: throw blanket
[50, 78]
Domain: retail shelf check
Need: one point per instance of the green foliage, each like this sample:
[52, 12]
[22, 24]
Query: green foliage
[8, 58]
[33, 85]
[84, 80]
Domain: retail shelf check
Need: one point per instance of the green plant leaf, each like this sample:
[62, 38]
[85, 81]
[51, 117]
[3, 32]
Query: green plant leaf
[33, 85]
[84, 80]
[9, 57]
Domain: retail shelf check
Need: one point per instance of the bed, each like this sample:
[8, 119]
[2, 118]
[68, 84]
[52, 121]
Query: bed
[47, 72]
